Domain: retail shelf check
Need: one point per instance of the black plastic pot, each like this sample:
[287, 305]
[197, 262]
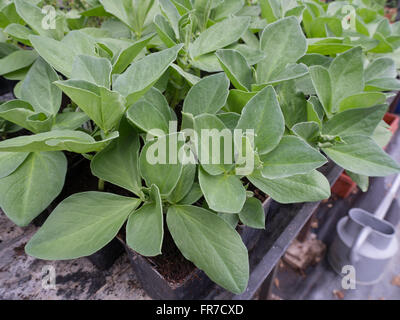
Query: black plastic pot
[6, 86]
[195, 285]
[105, 257]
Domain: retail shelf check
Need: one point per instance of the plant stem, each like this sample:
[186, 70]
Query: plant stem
[100, 185]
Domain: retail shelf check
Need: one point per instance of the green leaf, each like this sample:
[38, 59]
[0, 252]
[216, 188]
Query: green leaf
[193, 195]
[312, 59]
[92, 69]
[103, 106]
[237, 99]
[252, 55]
[359, 121]
[315, 110]
[56, 140]
[231, 218]
[216, 248]
[147, 117]
[61, 54]
[327, 48]
[230, 119]
[291, 157]
[320, 25]
[214, 144]
[7, 48]
[291, 71]
[35, 18]
[323, 86]
[118, 163]
[362, 181]
[382, 134]
[283, 43]
[361, 155]
[144, 73]
[208, 63]
[22, 114]
[184, 184]
[132, 12]
[81, 225]
[165, 31]
[8, 14]
[183, 6]
[224, 193]
[38, 88]
[125, 57]
[208, 95]
[116, 29]
[160, 163]
[191, 78]
[110, 47]
[18, 75]
[383, 84]
[383, 45]
[293, 103]
[236, 68]
[17, 60]
[172, 15]
[10, 161]
[145, 227]
[226, 8]
[295, 11]
[157, 100]
[95, 11]
[19, 32]
[270, 10]
[219, 36]
[309, 131]
[202, 11]
[263, 115]
[70, 120]
[383, 67]
[300, 188]
[29, 190]
[252, 214]
[362, 100]
[347, 75]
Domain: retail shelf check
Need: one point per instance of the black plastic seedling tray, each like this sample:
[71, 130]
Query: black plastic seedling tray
[284, 223]
[196, 285]
[266, 247]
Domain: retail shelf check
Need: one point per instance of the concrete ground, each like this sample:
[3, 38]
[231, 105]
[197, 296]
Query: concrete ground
[21, 276]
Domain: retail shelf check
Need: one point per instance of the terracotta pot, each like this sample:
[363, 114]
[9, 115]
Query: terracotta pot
[390, 14]
[392, 120]
[344, 186]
